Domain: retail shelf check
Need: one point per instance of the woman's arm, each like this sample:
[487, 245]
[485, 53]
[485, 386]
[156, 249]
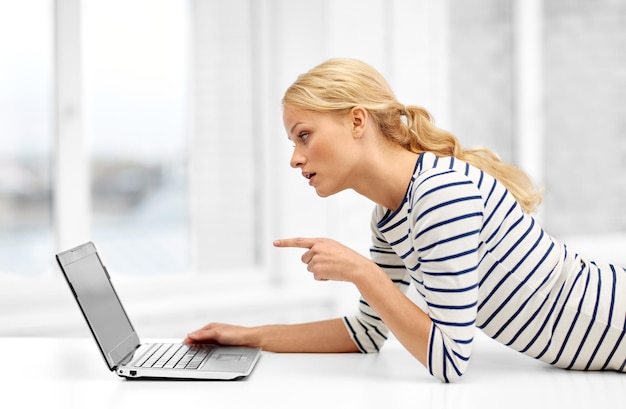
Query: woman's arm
[409, 324]
[327, 259]
[319, 336]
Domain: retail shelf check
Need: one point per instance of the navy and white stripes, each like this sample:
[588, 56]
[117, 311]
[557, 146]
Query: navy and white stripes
[480, 262]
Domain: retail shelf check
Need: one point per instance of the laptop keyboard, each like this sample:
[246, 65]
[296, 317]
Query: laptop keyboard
[175, 356]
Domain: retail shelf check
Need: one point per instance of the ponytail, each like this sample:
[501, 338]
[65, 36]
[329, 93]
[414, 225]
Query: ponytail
[419, 134]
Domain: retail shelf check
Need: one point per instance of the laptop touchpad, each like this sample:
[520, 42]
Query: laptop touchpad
[228, 357]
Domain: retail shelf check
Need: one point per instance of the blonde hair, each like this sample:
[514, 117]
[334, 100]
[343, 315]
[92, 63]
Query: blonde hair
[338, 85]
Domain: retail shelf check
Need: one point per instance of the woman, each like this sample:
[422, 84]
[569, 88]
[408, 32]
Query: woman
[454, 222]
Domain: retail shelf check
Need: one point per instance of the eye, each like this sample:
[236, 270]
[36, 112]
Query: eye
[303, 136]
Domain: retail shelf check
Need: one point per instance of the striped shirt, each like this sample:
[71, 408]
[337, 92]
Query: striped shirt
[479, 261]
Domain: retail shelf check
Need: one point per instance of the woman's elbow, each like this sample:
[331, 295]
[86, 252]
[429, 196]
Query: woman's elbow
[450, 371]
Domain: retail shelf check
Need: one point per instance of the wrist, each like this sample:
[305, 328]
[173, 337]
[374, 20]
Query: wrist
[368, 276]
[254, 337]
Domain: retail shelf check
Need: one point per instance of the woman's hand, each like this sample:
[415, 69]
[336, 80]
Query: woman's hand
[223, 334]
[320, 336]
[328, 259]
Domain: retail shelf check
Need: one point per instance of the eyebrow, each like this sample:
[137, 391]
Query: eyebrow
[294, 127]
[291, 130]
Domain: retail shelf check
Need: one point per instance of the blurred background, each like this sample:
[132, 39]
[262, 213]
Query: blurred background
[153, 128]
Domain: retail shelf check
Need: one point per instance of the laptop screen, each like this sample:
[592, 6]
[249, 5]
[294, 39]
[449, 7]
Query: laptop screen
[99, 302]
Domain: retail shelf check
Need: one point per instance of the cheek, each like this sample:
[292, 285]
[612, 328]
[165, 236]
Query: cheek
[330, 147]
[318, 151]
[325, 153]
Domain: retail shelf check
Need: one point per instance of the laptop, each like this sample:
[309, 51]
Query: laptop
[119, 343]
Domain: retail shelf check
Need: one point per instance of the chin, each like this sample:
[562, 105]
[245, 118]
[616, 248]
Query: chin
[326, 193]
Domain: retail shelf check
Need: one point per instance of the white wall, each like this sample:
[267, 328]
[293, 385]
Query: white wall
[408, 41]
[289, 37]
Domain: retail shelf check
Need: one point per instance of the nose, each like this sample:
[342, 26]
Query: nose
[297, 160]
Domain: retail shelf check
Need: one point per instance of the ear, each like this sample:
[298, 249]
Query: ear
[359, 117]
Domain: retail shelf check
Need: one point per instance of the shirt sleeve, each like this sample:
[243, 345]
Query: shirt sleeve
[447, 217]
[367, 330]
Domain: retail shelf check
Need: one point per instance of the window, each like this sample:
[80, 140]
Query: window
[136, 62]
[25, 136]
[154, 152]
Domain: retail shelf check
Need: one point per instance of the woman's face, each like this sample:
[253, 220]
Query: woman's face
[323, 148]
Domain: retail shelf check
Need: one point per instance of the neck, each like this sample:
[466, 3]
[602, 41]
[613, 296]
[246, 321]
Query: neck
[386, 176]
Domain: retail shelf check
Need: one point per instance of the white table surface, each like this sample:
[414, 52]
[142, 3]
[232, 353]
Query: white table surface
[71, 373]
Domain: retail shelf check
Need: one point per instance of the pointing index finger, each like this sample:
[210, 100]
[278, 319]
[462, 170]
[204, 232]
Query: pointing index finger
[299, 242]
